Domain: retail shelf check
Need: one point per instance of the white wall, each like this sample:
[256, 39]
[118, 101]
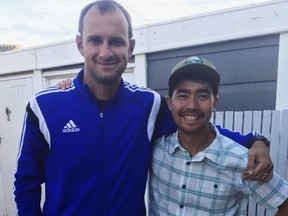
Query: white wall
[282, 79]
[241, 22]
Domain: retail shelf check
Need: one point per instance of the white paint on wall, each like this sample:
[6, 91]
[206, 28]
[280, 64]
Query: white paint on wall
[282, 78]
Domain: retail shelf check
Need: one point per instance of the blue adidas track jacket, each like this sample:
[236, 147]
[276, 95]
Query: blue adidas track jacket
[93, 160]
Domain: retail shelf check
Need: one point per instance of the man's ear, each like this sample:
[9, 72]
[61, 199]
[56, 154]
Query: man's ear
[168, 101]
[216, 101]
[131, 46]
[79, 44]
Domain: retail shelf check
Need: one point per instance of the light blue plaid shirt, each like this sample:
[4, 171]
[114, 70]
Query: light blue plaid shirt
[210, 183]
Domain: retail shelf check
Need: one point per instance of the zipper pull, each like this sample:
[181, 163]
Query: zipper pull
[101, 115]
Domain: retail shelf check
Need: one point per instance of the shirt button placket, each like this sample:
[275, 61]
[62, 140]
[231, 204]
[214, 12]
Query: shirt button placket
[184, 186]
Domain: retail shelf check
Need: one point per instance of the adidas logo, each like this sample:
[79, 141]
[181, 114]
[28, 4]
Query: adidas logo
[70, 127]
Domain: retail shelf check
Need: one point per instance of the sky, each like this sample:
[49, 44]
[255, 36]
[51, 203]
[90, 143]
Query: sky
[30, 23]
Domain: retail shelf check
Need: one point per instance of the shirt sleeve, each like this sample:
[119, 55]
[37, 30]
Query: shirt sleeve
[30, 166]
[270, 194]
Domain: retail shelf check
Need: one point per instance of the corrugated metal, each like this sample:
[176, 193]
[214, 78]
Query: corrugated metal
[248, 69]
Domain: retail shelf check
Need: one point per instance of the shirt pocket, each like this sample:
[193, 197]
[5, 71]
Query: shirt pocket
[216, 196]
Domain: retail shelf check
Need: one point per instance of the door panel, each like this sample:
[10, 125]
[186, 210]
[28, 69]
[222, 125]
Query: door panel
[14, 94]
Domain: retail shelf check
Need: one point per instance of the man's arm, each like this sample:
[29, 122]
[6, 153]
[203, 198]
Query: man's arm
[30, 167]
[260, 166]
[283, 209]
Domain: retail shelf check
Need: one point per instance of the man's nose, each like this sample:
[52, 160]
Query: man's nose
[192, 102]
[105, 51]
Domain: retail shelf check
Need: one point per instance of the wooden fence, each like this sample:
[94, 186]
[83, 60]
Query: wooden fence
[273, 125]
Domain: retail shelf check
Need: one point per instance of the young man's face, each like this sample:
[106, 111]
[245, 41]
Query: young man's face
[105, 45]
[192, 104]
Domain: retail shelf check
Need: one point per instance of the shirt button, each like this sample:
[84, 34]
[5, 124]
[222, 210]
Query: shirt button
[183, 186]
[181, 206]
[188, 163]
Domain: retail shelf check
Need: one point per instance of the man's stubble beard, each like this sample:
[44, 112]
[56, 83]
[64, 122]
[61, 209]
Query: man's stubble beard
[106, 80]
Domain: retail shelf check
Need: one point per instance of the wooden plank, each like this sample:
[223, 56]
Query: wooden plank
[266, 123]
[275, 139]
[257, 120]
[266, 131]
[238, 122]
[285, 128]
[278, 126]
[219, 118]
[247, 123]
[283, 144]
[228, 121]
[2, 200]
[257, 127]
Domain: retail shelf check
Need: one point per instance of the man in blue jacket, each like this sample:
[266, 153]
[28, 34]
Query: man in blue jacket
[91, 143]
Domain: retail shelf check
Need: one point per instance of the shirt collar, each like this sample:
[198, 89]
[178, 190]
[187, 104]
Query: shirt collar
[212, 152]
[173, 143]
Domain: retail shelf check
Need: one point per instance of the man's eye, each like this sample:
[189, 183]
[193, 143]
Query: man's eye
[203, 96]
[117, 42]
[182, 95]
[95, 40]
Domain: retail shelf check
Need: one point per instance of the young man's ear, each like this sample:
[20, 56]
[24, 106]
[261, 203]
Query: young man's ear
[168, 101]
[79, 44]
[216, 101]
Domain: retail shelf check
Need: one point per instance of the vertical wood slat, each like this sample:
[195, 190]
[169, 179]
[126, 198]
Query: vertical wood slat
[282, 149]
[279, 145]
[248, 124]
[283, 144]
[228, 120]
[238, 122]
[219, 118]
[285, 139]
[247, 127]
[266, 128]
[274, 126]
[257, 123]
[266, 123]
[275, 139]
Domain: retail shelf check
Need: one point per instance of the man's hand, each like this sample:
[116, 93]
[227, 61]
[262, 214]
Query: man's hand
[260, 166]
[283, 209]
[64, 84]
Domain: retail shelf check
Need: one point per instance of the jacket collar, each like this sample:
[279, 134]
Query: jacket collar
[78, 83]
